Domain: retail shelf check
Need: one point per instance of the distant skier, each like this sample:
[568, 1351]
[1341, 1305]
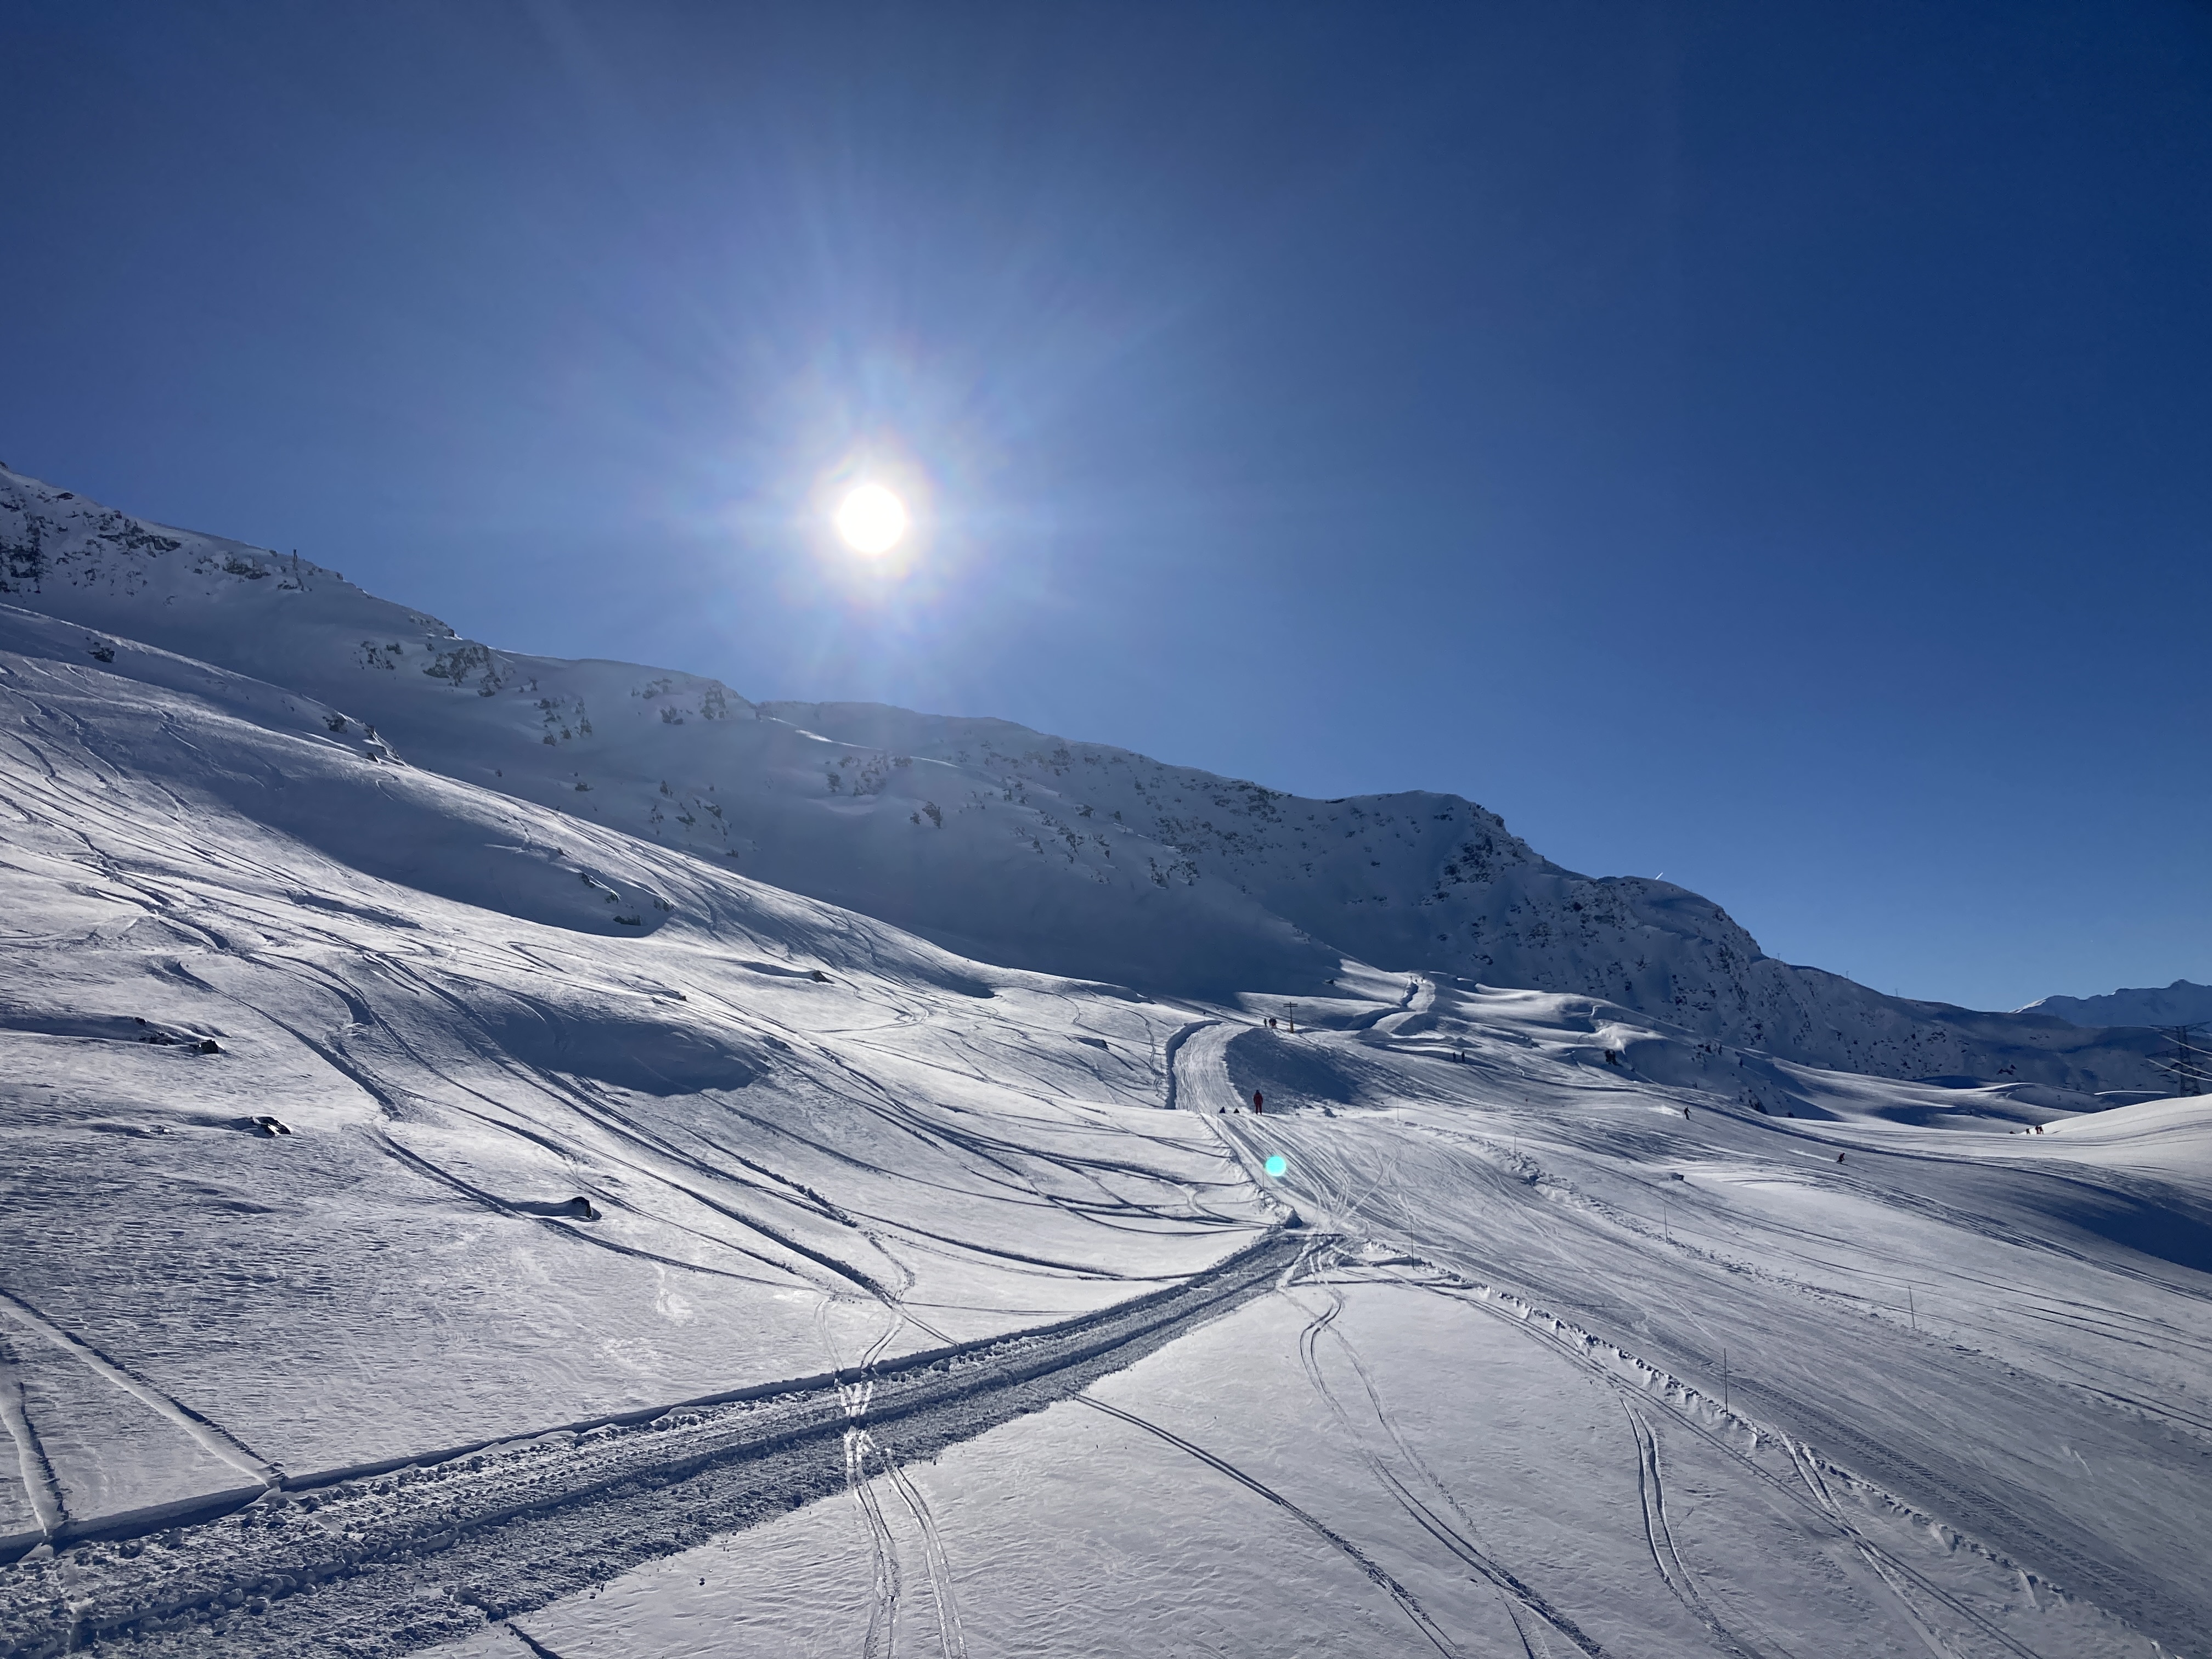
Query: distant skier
[1839, 1158]
[1257, 1107]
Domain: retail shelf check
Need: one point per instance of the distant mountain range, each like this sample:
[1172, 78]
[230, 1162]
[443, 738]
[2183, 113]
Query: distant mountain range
[2182, 1003]
[1003, 844]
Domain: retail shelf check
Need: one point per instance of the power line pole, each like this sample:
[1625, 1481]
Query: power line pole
[2189, 1062]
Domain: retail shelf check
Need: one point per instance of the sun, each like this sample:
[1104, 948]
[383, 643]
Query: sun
[871, 520]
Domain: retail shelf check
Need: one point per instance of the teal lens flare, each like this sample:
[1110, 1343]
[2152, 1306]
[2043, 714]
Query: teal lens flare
[1277, 1164]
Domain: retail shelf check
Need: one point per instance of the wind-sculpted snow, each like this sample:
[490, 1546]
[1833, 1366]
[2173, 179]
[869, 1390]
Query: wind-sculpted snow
[1001, 843]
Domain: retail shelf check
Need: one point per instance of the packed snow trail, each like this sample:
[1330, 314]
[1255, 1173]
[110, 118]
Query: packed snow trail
[398, 1561]
[1200, 1075]
[1553, 1191]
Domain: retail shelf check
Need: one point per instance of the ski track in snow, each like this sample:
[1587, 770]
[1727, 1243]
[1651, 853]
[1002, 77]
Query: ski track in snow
[1652, 1490]
[1811, 1491]
[1456, 1534]
[196, 1427]
[41, 1489]
[1892, 1572]
[883, 1549]
[1398, 1593]
[952, 1638]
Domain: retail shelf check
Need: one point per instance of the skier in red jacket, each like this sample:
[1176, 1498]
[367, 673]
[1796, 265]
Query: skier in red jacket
[1256, 1106]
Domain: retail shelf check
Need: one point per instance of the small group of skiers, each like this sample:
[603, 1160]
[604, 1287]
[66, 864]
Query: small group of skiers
[1259, 1105]
[1274, 1024]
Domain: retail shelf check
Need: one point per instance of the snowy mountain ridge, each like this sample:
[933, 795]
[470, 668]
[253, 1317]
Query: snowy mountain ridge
[1002, 843]
[2182, 1003]
[450, 1212]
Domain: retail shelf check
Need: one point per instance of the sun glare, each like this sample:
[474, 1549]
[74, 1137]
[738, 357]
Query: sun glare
[871, 520]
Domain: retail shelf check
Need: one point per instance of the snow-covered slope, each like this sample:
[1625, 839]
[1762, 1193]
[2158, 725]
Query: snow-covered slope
[1002, 843]
[2182, 1003]
[562, 1113]
[1434, 883]
[425, 1214]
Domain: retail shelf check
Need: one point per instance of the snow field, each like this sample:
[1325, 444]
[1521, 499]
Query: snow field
[1491, 1418]
[444, 1194]
[772, 1158]
[1383, 1471]
[1957, 1328]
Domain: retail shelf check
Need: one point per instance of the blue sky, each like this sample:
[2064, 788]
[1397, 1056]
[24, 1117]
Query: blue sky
[1771, 445]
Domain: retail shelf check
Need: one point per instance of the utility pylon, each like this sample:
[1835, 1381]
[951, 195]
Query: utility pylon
[2189, 1062]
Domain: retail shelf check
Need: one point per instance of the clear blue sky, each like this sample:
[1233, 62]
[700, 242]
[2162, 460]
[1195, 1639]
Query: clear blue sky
[1770, 444]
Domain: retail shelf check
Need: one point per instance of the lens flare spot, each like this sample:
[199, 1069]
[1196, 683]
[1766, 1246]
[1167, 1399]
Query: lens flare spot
[1278, 1164]
[871, 520]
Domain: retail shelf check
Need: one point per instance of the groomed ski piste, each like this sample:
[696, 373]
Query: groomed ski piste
[434, 1222]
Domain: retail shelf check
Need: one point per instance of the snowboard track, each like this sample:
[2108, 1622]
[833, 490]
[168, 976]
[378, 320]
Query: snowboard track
[1659, 1538]
[1454, 1533]
[1359, 1557]
[1807, 1496]
[390, 1563]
